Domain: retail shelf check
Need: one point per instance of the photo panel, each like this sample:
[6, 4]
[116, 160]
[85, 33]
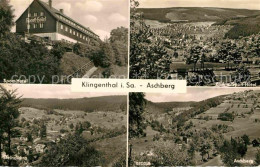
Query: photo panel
[53, 41]
[207, 43]
[204, 127]
[47, 125]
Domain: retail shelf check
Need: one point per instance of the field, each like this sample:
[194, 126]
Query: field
[244, 106]
[104, 119]
[244, 122]
[246, 22]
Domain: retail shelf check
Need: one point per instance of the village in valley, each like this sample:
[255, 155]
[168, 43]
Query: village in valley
[217, 131]
[206, 46]
[55, 132]
[222, 55]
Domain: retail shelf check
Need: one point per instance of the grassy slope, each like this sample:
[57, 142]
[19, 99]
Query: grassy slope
[71, 62]
[116, 71]
[112, 148]
[106, 103]
[165, 106]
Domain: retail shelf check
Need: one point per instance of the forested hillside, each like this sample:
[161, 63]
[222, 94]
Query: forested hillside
[195, 13]
[245, 22]
[106, 103]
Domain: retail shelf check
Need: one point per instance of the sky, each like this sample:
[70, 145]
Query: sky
[194, 94]
[52, 91]
[245, 4]
[100, 15]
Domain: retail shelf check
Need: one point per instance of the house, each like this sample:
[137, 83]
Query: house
[43, 20]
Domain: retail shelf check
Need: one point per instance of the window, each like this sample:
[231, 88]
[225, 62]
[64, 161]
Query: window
[74, 32]
[77, 34]
[80, 35]
[84, 37]
[41, 25]
[35, 25]
[66, 28]
[61, 26]
[28, 26]
[42, 14]
[35, 14]
[29, 15]
[71, 31]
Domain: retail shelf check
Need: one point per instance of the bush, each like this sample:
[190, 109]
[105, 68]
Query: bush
[63, 131]
[226, 117]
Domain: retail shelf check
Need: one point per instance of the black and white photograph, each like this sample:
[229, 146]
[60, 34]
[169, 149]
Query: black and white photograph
[52, 41]
[206, 42]
[47, 125]
[204, 127]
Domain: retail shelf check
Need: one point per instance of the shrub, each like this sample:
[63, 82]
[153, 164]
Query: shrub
[226, 117]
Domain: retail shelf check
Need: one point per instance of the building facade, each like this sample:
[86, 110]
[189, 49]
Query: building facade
[43, 20]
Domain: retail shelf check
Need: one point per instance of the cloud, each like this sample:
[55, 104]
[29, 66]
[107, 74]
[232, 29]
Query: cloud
[19, 7]
[117, 17]
[102, 34]
[91, 18]
[90, 6]
[65, 6]
[248, 4]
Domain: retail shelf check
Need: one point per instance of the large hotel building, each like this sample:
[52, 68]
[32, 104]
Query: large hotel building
[41, 19]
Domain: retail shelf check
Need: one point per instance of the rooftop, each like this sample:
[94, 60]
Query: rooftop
[56, 13]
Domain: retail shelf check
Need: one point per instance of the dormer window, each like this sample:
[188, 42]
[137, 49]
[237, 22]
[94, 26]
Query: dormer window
[42, 14]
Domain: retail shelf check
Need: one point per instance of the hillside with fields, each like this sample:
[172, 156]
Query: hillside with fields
[195, 14]
[165, 107]
[213, 132]
[245, 22]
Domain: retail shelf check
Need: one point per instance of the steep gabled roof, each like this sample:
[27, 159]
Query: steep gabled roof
[54, 11]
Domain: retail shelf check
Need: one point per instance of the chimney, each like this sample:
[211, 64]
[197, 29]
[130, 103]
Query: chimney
[62, 11]
[50, 3]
